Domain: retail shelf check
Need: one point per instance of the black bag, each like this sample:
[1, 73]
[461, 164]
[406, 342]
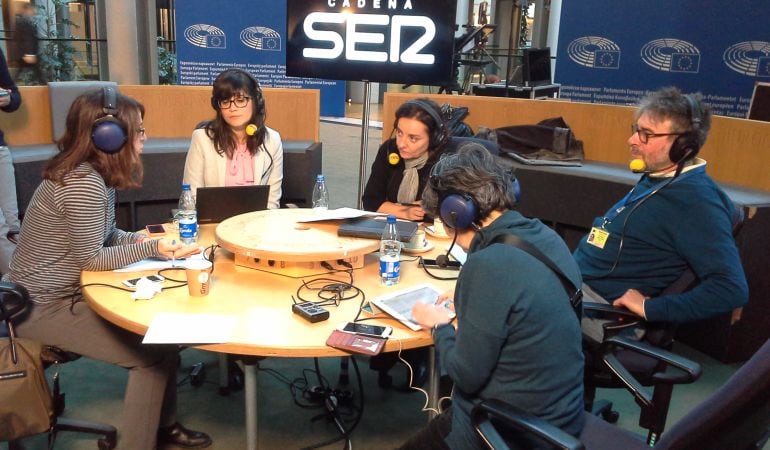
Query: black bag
[454, 120]
[26, 405]
[551, 141]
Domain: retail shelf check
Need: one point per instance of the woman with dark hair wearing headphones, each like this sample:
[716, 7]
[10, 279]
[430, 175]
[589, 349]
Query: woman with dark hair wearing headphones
[236, 148]
[402, 165]
[68, 227]
[517, 336]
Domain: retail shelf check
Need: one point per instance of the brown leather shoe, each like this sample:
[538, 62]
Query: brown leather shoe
[179, 436]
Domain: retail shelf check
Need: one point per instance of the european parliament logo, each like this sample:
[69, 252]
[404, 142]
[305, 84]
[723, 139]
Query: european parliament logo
[261, 38]
[594, 52]
[671, 55]
[607, 59]
[751, 58]
[205, 36]
[685, 62]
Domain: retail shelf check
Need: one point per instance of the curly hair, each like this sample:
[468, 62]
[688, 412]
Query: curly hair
[472, 171]
[670, 103]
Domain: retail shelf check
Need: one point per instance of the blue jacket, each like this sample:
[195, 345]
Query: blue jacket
[517, 338]
[686, 223]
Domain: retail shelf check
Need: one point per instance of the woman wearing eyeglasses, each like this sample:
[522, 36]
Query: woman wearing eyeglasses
[236, 148]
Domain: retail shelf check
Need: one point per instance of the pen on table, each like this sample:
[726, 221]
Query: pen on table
[173, 254]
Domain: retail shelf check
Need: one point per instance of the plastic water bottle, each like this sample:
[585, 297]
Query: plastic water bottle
[320, 193]
[390, 254]
[188, 216]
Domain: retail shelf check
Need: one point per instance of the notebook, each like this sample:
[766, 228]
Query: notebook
[399, 304]
[216, 204]
[368, 227]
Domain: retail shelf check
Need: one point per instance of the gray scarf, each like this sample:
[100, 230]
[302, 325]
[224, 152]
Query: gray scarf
[407, 191]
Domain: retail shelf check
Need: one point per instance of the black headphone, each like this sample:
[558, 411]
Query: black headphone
[687, 144]
[255, 91]
[108, 133]
[459, 210]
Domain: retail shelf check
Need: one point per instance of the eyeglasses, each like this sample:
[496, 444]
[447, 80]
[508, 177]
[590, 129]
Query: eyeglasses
[644, 136]
[239, 102]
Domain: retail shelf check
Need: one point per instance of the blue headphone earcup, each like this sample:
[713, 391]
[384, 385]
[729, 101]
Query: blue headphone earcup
[108, 134]
[516, 189]
[458, 211]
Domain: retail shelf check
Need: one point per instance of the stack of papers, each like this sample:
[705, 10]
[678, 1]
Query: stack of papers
[157, 264]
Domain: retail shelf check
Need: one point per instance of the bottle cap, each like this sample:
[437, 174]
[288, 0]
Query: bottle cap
[320, 177]
[391, 219]
[185, 186]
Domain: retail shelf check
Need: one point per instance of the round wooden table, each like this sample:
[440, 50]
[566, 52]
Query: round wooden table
[262, 302]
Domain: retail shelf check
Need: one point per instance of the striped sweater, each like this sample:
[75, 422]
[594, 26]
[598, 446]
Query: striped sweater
[69, 227]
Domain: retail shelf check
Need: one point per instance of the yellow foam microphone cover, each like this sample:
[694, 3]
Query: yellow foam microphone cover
[393, 158]
[251, 129]
[637, 165]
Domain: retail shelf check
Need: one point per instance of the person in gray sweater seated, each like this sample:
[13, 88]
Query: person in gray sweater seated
[517, 337]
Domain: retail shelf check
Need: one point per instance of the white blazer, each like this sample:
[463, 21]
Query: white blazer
[205, 167]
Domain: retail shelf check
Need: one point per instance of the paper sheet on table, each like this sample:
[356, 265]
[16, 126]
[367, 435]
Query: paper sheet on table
[157, 264]
[335, 214]
[178, 328]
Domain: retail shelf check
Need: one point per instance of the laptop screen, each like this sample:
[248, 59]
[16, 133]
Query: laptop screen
[216, 204]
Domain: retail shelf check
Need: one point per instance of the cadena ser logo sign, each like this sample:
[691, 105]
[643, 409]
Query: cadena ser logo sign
[397, 41]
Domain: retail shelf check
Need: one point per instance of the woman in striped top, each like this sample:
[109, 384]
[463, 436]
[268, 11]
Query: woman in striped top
[69, 227]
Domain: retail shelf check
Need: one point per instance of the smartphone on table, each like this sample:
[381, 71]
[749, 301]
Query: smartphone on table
[156, 229]
[366, 329]
[132, 282]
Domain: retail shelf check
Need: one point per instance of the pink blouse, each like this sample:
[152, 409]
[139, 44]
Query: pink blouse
[240, 169]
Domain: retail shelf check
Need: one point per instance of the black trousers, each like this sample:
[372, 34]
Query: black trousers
[431, 437]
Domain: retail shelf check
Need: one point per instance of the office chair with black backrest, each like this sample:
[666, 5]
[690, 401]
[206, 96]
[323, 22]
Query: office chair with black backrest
[645, 369]
[735, 417]
[16, 297]
[648, 370]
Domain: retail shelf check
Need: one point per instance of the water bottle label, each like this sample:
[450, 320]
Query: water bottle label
[390, 270]
[188, 229]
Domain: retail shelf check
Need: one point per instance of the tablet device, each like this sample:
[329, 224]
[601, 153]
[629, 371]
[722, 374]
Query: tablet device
[399, 304]
[371, 228]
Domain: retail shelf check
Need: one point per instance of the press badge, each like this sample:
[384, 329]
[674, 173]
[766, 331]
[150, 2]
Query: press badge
[598, 237]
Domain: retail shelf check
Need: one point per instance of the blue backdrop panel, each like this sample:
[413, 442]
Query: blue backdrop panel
[247, 34]
[616, 51]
